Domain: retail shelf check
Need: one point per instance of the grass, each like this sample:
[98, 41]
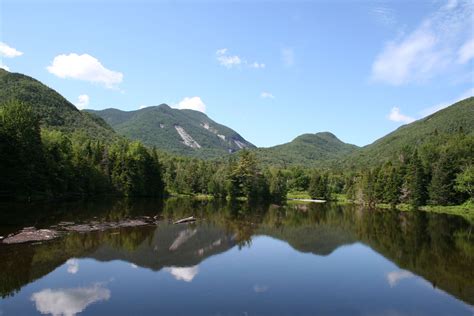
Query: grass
[298, 195]
[465, 210]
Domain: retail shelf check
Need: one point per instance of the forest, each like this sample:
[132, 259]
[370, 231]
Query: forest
[45, 163]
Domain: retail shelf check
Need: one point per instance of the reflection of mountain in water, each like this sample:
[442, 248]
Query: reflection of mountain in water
[320, 239]
[170, 245]
[437, 247]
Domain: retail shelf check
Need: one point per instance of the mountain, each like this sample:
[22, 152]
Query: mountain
[314, 150]
[54, 110]
[184, 132]
[443, 124]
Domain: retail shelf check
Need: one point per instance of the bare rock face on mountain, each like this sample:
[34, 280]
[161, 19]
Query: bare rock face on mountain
[184, 132]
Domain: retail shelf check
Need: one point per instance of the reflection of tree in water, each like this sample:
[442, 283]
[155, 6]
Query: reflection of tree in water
[437, 247]
[23, 263]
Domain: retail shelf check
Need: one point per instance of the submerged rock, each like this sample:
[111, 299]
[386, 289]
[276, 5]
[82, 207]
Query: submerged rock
[30, 234]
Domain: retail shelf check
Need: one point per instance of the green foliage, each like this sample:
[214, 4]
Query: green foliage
[156, 126]
[314, 150]
[455, 119]
[465, 181]
[52, 110]
[277, 186]
[21, 153]
[51, 163]
[415, 182]
[319, 186]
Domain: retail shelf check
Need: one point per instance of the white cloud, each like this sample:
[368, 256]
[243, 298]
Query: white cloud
[143, 106]
[396, 276]
[267, 95]
[396, 116]
[288, 56]
[3, 66]
[70, 301]
[134, 266]
[9, 52]
[82, 101]
[186, 274]
[229, 61]
[72, 266]
[466, 52]
[435, 108]
[191, 103]
[428, 50]
[84, 67]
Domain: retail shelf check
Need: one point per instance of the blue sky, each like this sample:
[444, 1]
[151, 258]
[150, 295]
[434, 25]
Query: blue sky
[271, 70]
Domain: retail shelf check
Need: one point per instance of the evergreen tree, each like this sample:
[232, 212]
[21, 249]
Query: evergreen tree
[441, 188]
[416, 181]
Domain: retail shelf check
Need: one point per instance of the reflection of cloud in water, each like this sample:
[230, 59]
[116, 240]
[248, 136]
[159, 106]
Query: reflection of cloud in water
[396, 276]
[260, 288]
[70, 301]
[186, 274]
[133, 265]
[182, 238]
[72, 266]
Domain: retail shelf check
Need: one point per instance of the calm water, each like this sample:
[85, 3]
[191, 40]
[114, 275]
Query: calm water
[298, 260]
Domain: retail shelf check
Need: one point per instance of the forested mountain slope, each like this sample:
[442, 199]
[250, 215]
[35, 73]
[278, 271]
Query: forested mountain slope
[53, 110]
[184, 132]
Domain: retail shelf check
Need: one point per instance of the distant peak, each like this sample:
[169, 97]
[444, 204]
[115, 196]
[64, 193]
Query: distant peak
[164, 106]
[328, 134]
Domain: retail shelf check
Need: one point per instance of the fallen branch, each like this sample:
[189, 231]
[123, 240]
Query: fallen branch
[185, 220]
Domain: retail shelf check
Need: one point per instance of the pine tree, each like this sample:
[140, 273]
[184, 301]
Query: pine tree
[416, 181]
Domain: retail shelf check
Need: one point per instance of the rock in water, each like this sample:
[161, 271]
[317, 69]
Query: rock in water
[30, 234]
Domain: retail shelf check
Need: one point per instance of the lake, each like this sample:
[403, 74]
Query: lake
[302, 259]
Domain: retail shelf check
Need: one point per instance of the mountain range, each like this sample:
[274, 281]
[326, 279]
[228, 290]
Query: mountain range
[192, 133]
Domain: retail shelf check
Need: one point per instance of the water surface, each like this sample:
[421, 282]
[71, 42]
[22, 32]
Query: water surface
[238, 260]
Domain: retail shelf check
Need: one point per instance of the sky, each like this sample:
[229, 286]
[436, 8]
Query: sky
[271, 70]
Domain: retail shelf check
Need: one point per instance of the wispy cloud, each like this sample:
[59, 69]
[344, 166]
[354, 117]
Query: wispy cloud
[287, 56]
[396, 276]
[384, 15]
[435, 108]
[396, 116]
[267, 95]
[466, 52]
[82, 101]
[428, 50]
[84, 67]
[225, 59]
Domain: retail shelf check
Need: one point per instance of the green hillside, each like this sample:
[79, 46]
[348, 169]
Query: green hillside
[54, 111]
[316, 150]
[183, 132]
[456, 118]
